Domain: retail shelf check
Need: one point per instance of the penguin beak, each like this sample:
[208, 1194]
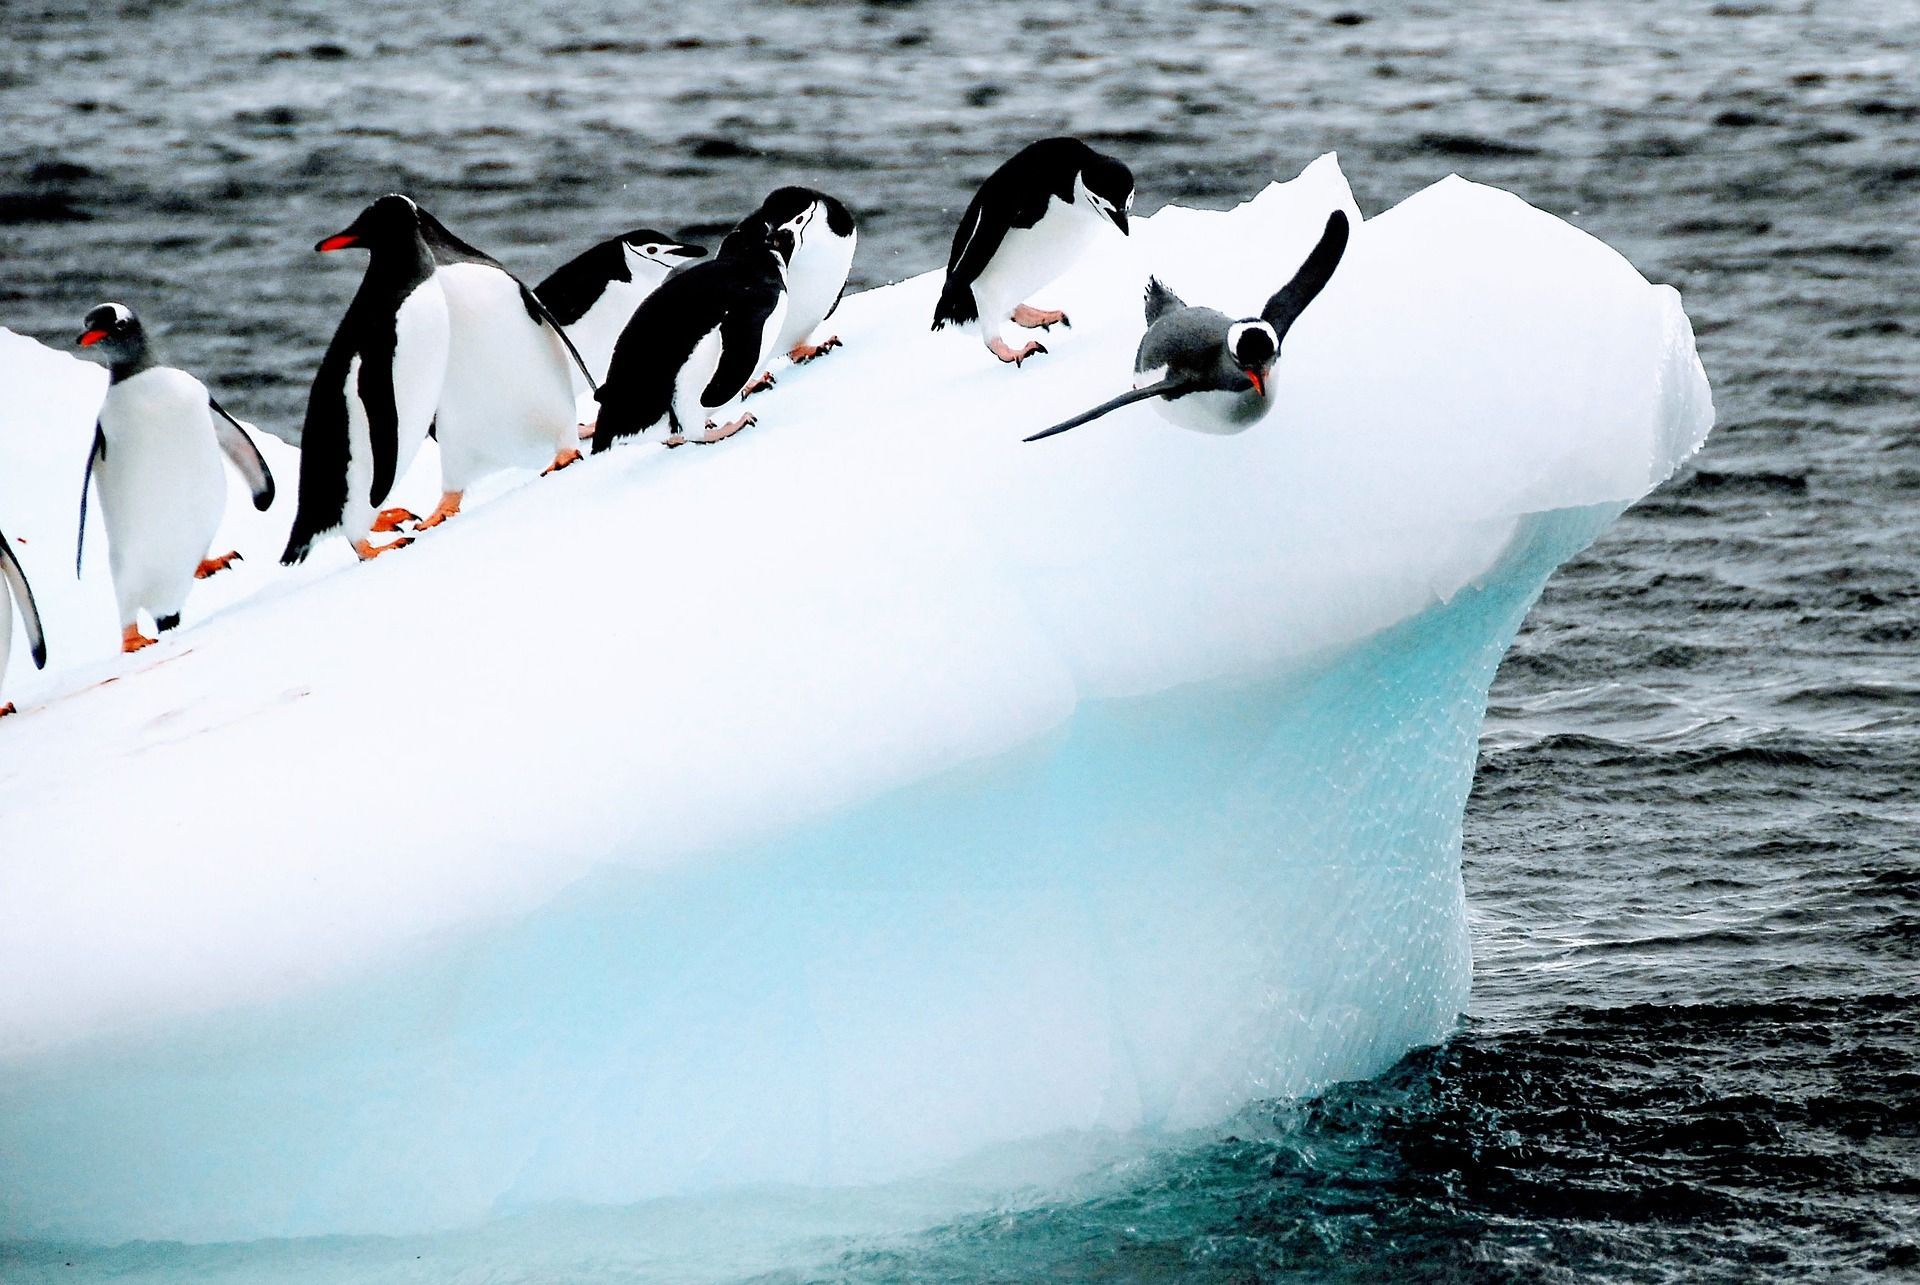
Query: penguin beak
[1119, 218]
[687, 251]
[338, 241]
[1258, 381]
[92, 337]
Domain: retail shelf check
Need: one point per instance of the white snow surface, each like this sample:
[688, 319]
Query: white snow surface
[763, 681]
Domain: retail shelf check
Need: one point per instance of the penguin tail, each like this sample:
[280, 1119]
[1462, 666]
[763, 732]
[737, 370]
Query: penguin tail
[957, 306]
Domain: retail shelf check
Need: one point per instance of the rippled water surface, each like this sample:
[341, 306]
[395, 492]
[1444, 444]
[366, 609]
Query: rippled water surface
[1691, 849]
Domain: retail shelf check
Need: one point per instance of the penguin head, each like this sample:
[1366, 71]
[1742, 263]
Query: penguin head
[658, 248]
[116, 332]
[1251, 348]
[391, 220]
[1105, 187]
[754, 237]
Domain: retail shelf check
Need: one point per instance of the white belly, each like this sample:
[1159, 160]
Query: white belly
[507, 401]
[1215, 412]
[161, 488]
[419, 367]
[814, 280]
[1031, 258]
[598, 329]
[6, 634]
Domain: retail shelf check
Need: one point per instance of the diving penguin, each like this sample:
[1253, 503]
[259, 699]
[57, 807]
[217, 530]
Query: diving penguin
[14, 588]
[1026, 225]
[594, 294]
[378, 384]
[691, 347]
[824, 238]
[507, 398]
[156, 458]
[1206, 371]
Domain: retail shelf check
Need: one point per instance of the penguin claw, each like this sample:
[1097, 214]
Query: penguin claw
[560, 461]
[725, 431]
[759, 385]
[390, 520]
[7, 709]
[804, 352]
[368, 550]
[214, 566]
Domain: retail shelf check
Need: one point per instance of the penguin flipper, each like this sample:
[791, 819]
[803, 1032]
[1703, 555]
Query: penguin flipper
[1285, 307]
[97, 451]
[975, 242]
[383, 422]
[742, 331]
[1160, 300]
[23, 594]
[246, 457]
[1164, 388]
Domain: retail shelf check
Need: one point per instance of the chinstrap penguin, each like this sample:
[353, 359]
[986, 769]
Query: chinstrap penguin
[14, 588]
[156, 458]
[824, 238]
[1207, 371]
[695, 342]
[507, 399]
[1028, 223]
[593, 295]
[374, 396]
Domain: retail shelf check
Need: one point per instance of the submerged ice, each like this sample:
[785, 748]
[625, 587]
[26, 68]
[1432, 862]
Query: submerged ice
[839, 803]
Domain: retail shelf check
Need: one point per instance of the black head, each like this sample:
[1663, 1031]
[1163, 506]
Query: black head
[754, 237]
[658, 247]
[116, 332]
[390, 221]
[1253, 345]
[1109, 185]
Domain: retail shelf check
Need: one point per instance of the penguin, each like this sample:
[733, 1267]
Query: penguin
[1026, 225]
[14, 588]
[693, 344]
[156, 459]
[593, 294]
[374, 395]
[1207, 371]
[824, 238]
[507, 398]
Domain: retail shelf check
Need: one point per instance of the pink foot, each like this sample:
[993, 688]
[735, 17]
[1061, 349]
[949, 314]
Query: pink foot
[759, 385]
[1037, 317]
[998, 348]
[803, 352]
[725, 431]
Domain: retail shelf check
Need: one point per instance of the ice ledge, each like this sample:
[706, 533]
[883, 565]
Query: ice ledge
[875, 773]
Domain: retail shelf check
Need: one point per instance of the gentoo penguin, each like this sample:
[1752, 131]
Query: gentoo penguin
[594, 294]
[823, 242]
[374, 396]
[1026, 225]
[14, 588]
[156, 457]
[693, 344]
[507, 399]
[1207, 371]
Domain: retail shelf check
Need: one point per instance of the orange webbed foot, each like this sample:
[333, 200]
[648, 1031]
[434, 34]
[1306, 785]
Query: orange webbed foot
[562, 460]
[132, 640]
[214, 566]
[448, 507]
[368, 550]
[7, 709]
[390, 520]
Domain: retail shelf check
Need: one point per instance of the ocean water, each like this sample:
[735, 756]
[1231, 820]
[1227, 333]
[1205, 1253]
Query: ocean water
[1693, 850]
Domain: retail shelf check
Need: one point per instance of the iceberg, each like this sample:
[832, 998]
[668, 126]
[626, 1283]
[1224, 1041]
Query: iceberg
[865, 794]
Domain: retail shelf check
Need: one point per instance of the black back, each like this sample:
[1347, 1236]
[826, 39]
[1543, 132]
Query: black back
[398, 263]
[1013, 196]
[571, 290]
[735, 292]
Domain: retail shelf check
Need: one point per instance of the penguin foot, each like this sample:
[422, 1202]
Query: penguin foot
[449, 506]
[390, 520]
[804, 352]
[562, 460]
[587, 431]
[7, 709]
[998, 348]
[1033, 318]
[759, 385]
[132, 640]
[368, 550]
[214, 566]
[725, 431]
[677, 439]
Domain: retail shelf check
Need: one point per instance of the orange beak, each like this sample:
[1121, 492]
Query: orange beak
[338, 241]
[1259, 386]
[92, 337]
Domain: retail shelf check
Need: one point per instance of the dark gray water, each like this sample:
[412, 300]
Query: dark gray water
[1691, 851]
